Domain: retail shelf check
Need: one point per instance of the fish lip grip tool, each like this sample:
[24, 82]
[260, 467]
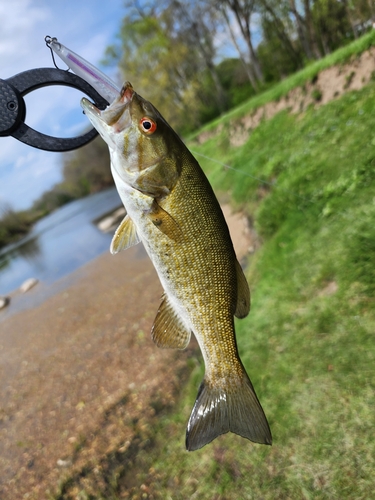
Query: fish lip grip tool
[13, 107]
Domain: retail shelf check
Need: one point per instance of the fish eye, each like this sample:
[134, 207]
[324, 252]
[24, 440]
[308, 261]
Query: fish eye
[147, 125]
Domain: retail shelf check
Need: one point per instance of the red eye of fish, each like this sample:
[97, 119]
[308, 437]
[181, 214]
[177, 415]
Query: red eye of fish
[147, 125]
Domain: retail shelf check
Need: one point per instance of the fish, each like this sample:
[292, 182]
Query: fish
[172, 209]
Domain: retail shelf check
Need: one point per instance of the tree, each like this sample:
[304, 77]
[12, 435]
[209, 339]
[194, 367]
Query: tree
[235, 81]
[278, 25]
[331, 24]
[305, 28]
[243, 11]
[274, 56]
[199, 31]
[85, 171]
[170, 55]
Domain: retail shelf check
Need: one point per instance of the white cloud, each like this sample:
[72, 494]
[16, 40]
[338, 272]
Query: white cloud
[8, 150]
[19, 23]
[33, 173]
[25, 159]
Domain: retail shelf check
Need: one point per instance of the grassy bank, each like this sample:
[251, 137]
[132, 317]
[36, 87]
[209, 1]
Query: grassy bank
[308, 343]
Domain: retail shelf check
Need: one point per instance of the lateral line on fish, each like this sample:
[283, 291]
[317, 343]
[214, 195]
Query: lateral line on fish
[261, 181]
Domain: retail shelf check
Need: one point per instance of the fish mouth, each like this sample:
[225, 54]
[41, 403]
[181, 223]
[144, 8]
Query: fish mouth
[89, 108]
[91, 111]
[116, 117]
[95, 116]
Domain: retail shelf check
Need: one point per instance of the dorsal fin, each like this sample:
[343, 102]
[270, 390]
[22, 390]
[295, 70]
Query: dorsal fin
[243, 293]
[125, 236]
[168, 329]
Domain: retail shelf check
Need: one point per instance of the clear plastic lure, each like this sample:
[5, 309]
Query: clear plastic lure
[92, 75]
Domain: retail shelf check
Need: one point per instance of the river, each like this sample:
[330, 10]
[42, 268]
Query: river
[59, 243]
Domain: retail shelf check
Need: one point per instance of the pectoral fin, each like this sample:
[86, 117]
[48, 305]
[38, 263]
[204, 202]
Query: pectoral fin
[164, 221]
[168, 330]
[243, 293]
[125, 236]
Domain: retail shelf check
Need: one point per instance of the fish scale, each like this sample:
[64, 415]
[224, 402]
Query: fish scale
[172, 209]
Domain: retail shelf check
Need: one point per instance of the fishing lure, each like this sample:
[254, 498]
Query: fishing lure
[87, 71]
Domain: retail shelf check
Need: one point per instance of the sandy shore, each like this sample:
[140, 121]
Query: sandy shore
[79, 363]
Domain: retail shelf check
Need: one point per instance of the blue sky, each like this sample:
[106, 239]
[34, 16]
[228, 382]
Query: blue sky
[85, 26]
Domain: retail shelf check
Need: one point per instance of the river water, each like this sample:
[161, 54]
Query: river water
[59, 243]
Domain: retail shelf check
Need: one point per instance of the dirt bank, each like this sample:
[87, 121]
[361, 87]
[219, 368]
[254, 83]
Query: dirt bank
[331, 83]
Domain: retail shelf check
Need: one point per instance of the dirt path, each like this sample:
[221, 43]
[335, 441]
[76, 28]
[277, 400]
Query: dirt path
[81, 378]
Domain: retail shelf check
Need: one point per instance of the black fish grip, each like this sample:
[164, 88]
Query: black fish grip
[13, 107]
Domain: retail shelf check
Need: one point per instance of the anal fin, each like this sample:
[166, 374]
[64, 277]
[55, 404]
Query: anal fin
[168, 330]
[125, 236]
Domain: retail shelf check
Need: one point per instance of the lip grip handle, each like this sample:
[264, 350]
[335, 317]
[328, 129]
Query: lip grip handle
[33, 79]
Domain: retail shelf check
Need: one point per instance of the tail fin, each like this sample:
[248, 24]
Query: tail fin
[217, 411]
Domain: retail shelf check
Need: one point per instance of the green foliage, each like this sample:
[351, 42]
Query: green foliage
[85, 171]
[332, 23]
[317, 95]
[299, 79]
[361, 252]
[173, 62]
[50, 200]
[164, 66]
[14, 225]
[235, 81]
[278, 60]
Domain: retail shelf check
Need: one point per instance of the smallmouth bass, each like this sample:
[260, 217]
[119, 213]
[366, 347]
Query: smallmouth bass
[173, 210]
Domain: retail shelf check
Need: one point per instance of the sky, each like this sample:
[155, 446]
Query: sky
[85, 26]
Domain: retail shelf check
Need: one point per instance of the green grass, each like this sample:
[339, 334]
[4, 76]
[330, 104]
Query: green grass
[310, 354]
